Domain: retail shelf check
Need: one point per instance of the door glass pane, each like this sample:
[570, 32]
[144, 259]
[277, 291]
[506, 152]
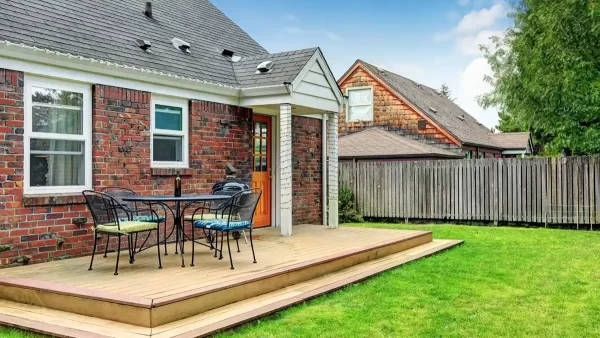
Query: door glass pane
[167, 148]
[264, 163]
[168, 118]
[257, 163]
[264, 130]
[263, 149]
[257, 129]
[56, 163]
[257, 146]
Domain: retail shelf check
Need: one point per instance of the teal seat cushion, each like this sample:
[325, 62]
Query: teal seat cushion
[145, 218]
[221, 224]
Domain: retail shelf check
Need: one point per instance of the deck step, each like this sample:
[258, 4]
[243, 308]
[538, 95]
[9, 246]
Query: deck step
[65, 324]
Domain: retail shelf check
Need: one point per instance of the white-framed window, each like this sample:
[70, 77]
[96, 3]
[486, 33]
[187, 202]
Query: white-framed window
[58, 136]
[360, 104]
[169, 126]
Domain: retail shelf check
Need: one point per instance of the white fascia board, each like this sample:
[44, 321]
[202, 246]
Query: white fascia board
[320, 59]
[514, 152]
[263, 91]
[314, 102]
[46, 63]
[265, 100]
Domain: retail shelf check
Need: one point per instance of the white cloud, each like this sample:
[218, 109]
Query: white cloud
[471, 85]
[463, 2]
[469, 45]
[479, 19]
[332, 36]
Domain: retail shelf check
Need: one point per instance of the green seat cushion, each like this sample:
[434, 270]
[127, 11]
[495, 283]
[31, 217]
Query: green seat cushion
[127, 227]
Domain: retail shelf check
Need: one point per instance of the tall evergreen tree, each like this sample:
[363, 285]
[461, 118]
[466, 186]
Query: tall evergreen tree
[445, 91]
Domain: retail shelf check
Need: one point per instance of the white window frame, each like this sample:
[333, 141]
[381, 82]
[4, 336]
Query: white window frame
[173, 102]
[86, 90]
[348, 91]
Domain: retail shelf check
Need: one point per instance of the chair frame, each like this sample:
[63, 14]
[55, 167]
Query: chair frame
[111, 206]
[230, 204]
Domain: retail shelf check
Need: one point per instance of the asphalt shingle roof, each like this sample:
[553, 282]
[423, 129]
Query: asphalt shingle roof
[511, 140]
[106, 30]
[449, 115]
[377, 143]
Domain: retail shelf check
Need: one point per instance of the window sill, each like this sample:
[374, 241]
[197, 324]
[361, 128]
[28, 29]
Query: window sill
[43, 200]
[172, 171]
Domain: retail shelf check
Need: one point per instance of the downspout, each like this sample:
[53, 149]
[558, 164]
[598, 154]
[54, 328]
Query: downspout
[324, 166]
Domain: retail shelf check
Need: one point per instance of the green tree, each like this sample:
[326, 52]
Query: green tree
[446, 92]
[546, 74]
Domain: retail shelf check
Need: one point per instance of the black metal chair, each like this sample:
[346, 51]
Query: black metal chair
[139, 211]
[238, 214]
[106, 211]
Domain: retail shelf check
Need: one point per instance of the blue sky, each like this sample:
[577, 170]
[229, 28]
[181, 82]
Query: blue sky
[430, 41]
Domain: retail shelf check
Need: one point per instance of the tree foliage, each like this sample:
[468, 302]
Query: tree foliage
[446, 92]
[546, 74]
[347, 211]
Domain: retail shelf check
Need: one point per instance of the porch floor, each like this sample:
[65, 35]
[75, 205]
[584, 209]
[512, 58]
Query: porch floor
[145, 300]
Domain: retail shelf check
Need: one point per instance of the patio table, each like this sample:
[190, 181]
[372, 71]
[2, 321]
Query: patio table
[164, 200]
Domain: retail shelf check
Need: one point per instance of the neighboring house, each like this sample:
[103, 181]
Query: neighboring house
[103, 93]
[377, 97]
[374, 144]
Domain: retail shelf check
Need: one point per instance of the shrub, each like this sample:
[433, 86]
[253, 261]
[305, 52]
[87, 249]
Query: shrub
[347, 211]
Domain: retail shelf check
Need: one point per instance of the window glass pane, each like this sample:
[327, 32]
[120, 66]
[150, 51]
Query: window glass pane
[360, 97]
[167, 148]
[46, 119]
[56, 97]
[257, 146]
[56, 163]
[168, 118]
[43, 145]
[362, 113]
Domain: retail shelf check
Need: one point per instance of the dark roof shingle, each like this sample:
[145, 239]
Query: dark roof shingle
[377, 143]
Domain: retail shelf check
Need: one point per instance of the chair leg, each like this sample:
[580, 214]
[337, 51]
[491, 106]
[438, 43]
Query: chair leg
[94, 251]
[252, 246]
[221, 251]
[107, 242]
[216, 242]
[229, 249]
[237, 241]
[193, 246]
[129, 248]
[165, 238]
[158, 246]
[245, 238]
[118, 255]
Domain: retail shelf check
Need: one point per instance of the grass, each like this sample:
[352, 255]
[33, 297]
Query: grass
[8, 332]
[503, 282]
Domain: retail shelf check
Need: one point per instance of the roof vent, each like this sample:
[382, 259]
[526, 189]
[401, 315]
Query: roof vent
[461, 117]
[143, 44]
[180, 44]
[264, 67]
[227, 52]
[148, 11]
[433, 110]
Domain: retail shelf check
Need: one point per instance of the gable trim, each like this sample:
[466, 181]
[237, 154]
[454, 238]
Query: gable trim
[401, 97]
[320, 60]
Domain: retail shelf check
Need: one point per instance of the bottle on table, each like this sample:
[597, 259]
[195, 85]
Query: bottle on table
[177, 185]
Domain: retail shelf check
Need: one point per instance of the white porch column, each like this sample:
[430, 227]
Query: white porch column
[285, 167]
[332, 153]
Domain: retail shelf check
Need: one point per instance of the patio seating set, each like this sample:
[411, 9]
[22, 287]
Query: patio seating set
[228, 210]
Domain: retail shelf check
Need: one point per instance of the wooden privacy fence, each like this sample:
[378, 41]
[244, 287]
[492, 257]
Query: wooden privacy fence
[530, 190]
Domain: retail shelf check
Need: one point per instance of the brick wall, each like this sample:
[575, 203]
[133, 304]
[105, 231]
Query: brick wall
[306, 172]
[389, 112]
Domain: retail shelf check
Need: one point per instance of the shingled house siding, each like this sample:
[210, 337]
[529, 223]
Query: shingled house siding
[307, 181]
[39, 228]
[389, 112]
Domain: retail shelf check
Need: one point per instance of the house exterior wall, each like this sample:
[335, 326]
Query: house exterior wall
[389, 111]
[307, 188]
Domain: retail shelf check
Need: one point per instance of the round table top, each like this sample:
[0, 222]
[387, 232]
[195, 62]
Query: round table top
[171, 198]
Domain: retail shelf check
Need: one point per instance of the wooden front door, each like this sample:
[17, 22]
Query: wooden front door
[261, 176]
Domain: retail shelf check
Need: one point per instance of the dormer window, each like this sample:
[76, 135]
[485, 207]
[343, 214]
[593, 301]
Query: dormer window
[360, 104]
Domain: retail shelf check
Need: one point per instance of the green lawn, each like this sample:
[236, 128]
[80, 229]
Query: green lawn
[509, 282]
[7, 332]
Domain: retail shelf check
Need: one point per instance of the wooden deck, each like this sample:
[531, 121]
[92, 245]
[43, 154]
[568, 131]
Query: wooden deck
[194, 301]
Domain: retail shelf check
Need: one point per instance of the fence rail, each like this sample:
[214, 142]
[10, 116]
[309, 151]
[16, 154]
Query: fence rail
[536, 190]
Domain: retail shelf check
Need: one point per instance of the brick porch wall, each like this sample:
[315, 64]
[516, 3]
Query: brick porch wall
[307, 186]
[39, 228]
